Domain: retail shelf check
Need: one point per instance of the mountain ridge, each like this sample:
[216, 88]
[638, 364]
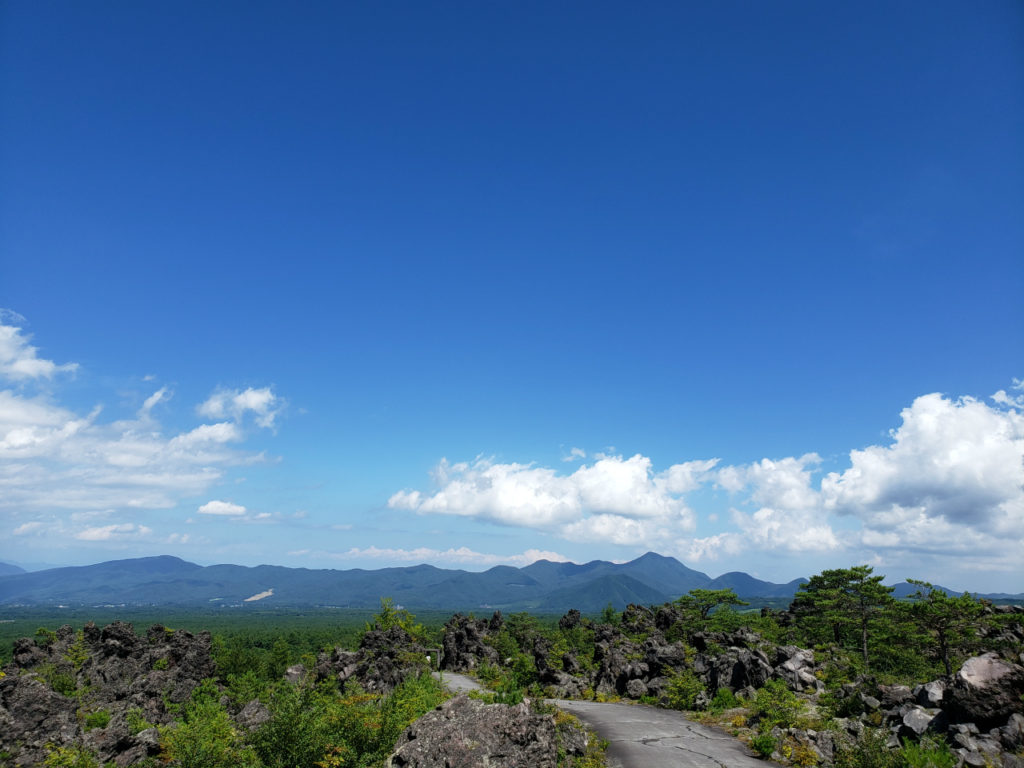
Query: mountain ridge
[540, 586]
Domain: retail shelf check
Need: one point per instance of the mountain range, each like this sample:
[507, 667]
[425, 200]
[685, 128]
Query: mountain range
[543, 586]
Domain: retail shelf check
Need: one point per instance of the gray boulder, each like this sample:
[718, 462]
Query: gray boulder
[986, 691]
[466, 733]
[795, 666]
[930, 694]
[463, 644]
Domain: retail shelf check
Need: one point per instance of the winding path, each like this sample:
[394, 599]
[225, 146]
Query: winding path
[640, 736]
[646, 737]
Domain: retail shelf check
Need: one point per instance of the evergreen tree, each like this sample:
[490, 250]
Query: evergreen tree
[849, 599]
[701, 602]
[949, 622]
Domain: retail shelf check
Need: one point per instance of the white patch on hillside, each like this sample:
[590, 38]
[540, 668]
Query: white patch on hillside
[259, 596]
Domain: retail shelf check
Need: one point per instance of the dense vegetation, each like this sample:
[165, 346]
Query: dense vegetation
[851, 621]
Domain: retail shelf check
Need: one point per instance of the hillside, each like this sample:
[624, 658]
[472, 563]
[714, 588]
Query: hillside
[542, 585]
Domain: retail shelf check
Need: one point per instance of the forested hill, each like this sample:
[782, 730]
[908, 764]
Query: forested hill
[543, 585]
[6, 569]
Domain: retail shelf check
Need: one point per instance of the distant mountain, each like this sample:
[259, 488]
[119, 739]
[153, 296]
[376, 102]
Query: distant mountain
[745, 585]
[6, 569]
[665, 574]
[542, 586]
[618, 590]
[905, 589]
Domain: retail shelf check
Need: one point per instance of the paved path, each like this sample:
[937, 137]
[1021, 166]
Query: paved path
[457, 683]
[646, 737]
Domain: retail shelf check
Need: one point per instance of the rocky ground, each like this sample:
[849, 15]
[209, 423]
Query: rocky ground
[980, 709]
[105, 689]
[108, 689]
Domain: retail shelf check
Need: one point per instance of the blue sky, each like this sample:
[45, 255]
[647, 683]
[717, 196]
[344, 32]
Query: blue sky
[349, 285]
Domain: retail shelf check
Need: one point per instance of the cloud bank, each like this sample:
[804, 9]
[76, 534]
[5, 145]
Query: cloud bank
[60, 469]
[949, 481]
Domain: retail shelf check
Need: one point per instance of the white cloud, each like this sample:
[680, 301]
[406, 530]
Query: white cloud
[952, 476]
[710, 547]
[19, 360]
[790, 516]
[615, 529]
[575, 454]
[33, 527]
[54, 460]
[114, 532]
[1008, 400]
[205, 434]
[235, 404]
[616, 498]
[216, 507]
[462, 555]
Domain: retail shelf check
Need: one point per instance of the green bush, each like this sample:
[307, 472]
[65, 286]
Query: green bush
[137, 723]
[70, 757]
[724, 699]
[776, 705]
[206, 737]
[299, 732]
[868, 751]
[929, 753]
[683, 688]
[77, 653]
[763, 744]
[98, 719]
[62, 682]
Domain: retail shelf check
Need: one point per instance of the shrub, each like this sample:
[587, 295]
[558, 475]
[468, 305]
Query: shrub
[45, 637]
[70, 757]
[683, 689]
[77, 653]
[868, 751]
[298, 732]
[724, 699]
[137, 723]
[62, 682]
[776, 705]
[161, 664]
[929, 753]
[763, 744]
[206, 738]
[488, 673]
[98, 719]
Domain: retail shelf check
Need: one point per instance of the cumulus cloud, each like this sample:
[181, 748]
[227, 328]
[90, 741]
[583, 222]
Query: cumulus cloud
[26, 529]
[789, 516]
[19, 360]
[949, 481]
[954, 470]
[234, 403]
[216, 507]
[114, 532]
[621, 498]
[462, 555]
[57, 461]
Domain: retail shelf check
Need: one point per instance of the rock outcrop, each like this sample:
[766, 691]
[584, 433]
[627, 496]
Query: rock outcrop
[384, 659]
[466, 733]
[100, 688]
[464, 647]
